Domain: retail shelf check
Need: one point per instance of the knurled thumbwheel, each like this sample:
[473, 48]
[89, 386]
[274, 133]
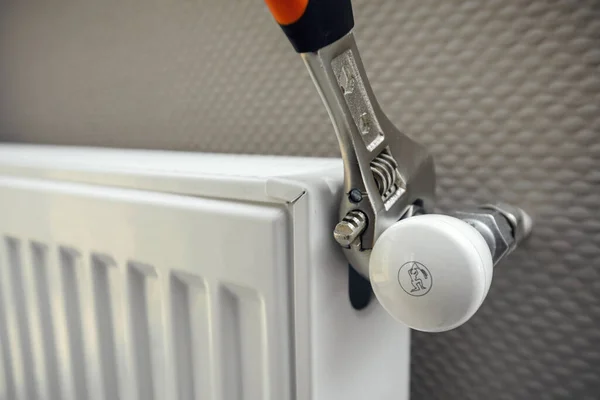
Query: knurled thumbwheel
[431, 272]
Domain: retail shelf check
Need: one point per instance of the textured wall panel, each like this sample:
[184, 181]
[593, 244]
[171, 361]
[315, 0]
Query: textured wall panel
[506, 93]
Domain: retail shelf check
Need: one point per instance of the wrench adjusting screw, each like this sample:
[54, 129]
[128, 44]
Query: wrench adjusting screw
[350, 228]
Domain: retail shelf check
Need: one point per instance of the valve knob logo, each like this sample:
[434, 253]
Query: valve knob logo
[415, 279]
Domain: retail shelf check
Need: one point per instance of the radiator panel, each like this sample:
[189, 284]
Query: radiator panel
[183, 276]
[176, 303]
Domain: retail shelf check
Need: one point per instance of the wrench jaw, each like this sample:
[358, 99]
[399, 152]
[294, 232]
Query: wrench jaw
[385, 171]
[419, 192]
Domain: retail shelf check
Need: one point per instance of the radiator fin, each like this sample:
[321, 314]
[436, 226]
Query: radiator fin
[71, 330]
[142, 282]
[243, 321]
[15, 321]
[182, 335]
[35, 274]
[193, 325]
[123, 329]
[102, 348]
[8, 389]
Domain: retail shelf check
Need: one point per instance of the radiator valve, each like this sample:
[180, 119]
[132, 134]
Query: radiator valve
[432, 272]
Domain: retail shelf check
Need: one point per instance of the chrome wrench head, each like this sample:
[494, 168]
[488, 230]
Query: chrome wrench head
[386, 173]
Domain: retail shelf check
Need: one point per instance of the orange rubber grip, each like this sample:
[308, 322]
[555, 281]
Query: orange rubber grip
[311, 25]
[287, 12]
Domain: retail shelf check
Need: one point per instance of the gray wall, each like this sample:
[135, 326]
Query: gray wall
[506, 93]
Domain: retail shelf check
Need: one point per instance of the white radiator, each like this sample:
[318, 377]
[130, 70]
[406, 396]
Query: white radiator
[159, 275]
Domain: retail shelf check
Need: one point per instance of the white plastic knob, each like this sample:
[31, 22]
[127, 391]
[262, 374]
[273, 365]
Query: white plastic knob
[431, 272]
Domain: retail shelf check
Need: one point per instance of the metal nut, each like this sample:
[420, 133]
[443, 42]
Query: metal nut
[494, 228]
[518, 219]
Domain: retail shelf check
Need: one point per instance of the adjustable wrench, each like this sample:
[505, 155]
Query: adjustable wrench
[385, 172]
[388, 179]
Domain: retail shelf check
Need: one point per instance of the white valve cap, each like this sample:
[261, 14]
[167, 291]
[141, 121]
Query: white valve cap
[431, 272]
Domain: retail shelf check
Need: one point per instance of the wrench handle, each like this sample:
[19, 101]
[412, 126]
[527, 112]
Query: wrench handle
[311, 25]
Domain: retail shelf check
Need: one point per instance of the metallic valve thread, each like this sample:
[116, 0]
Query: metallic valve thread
[350, 227]
[385, 172]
